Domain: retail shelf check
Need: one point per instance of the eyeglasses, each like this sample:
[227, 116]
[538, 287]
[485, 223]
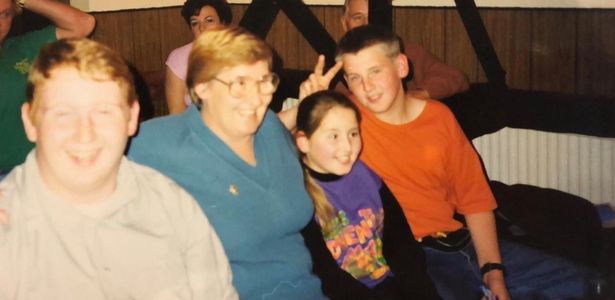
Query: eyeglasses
[241, 85]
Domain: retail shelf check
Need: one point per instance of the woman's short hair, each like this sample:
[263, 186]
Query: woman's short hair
[218, 49]
[193, 8]
[92, 60]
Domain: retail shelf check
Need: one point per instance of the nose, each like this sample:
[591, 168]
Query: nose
[367, 84]
[256, 99]
[85, 130]
[345, 144]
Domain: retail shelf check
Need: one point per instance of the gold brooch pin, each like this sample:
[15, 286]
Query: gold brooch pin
[233, 190]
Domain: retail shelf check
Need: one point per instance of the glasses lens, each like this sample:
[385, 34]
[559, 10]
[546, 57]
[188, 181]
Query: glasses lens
[269, 83]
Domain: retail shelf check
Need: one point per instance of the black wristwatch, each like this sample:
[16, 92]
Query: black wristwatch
[490, 267]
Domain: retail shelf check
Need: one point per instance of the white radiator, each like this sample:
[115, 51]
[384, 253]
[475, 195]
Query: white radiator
[577, 164]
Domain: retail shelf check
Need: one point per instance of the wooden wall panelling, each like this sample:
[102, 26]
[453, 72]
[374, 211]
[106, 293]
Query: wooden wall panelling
[174, 32]
[458, 48]
[510, 33]
[422, 26]
[596, 53]
[307, 56]
[332, 22]
[146, 30]
[283, 37]
[238, 10]
[553, 50]
[115, 30]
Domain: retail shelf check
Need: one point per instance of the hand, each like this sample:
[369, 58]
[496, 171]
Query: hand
[317, 80]
[494, 280]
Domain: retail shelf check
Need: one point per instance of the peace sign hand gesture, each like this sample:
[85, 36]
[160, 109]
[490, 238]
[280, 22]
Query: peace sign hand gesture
[317, 81]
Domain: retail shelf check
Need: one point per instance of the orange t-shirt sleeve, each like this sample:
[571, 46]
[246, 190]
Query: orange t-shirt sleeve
[465, 174]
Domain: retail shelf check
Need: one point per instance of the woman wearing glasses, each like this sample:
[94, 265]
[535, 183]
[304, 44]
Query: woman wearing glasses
[238, 160]
[200, 15]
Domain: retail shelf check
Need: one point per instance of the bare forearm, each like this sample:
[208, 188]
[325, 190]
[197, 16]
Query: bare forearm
[69, 21]
[484, 235]
[485, 239]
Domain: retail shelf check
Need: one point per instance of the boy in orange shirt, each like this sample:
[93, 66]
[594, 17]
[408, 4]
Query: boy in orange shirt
[420, 151]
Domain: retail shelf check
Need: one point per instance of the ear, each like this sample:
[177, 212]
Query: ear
[133, 121]
[343, 21]
[201, 90]
[28, 123]
[303, 143]
[402, 65]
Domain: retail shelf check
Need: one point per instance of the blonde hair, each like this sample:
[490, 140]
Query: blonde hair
[219, 49]
[92, 59]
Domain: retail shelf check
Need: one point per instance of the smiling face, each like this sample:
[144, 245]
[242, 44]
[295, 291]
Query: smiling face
[80, 127]
[355, 14]
[375, 79]
[335, 145]
[206, 19]
[7, 11]
[230, 117]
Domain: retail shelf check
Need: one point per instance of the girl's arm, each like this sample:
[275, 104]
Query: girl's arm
[336, 283]
[403, 254]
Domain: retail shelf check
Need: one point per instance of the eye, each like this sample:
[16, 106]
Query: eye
[194, 23]
[353, 78]
[332, 136]
[103, 111]
[241, 82]
[209, 20]
[357, 18]
[354, 134]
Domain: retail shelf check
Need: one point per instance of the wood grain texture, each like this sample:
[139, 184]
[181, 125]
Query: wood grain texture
[569, 51]
[553, 50]
[510, 33]
[459, 51]
[596, 53]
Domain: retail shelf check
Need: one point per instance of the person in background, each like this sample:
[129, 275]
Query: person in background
[423, 155]
[200, 15]
[84, 222]
[431, 78]
[381, 260]
[239, 162]
[16, 55]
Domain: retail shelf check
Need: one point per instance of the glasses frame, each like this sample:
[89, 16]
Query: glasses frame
[240, 91]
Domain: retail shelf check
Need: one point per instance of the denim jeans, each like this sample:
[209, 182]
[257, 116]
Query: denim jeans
[530, 274]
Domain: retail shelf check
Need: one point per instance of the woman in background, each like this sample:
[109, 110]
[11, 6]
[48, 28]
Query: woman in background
[200, 15]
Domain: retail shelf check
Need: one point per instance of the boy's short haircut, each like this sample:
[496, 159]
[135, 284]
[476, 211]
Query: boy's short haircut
[216, 50]
[366, 36]
[92, 59]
